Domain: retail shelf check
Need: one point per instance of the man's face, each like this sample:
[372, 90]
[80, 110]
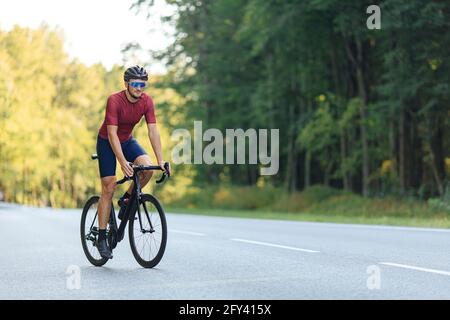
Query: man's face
[136, 87]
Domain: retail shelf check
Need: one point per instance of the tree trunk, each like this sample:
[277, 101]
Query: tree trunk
[343, 142]
[393, 145]
[405, 152]
[402, 153]
[307, 169]
[343, 146]
[326, 178]
[357, 61]
[437, 156]
[364, 137]
[291, 161]
[417, 156]
[440, 186]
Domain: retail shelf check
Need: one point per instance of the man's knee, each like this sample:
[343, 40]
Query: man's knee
[144, 160]
[147, 174]
[108, 187]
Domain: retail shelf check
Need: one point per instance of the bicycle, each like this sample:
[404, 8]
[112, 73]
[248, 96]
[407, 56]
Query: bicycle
[136, 210]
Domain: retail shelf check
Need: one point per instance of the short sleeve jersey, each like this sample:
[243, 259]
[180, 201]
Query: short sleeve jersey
[125, 115]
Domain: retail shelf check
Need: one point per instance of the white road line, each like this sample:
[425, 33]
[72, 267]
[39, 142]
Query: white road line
[188, 232]
[445, 273]
[274, 245]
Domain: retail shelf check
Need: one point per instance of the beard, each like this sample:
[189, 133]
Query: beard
[131, 94]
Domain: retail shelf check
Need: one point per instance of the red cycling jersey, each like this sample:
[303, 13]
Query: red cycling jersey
[125, 114]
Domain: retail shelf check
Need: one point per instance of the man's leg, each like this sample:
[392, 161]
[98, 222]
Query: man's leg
[104, 210]
[104, 205]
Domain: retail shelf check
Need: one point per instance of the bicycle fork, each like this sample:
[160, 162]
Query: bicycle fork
[138, 201]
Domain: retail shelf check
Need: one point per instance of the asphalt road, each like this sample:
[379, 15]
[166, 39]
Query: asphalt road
[225, 258]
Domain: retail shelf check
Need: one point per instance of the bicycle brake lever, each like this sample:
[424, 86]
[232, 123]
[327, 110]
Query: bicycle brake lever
[167, 168]
[123, 180]
[163, 177]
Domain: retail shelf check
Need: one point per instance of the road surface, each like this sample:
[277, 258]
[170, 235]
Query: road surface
[225, 258]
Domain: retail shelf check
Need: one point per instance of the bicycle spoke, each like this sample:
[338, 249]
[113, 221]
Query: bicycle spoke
[147, 234]
[147, 241]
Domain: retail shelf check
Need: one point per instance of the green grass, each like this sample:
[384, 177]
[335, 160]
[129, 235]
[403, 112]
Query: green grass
[434, 222]
[315, 204]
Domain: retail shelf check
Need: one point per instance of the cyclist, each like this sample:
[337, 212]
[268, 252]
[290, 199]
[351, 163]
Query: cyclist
[124, 110]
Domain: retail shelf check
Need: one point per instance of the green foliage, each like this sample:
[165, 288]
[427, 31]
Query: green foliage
[360, 110]
[345, 98]
[320, 203]
[441, 204]
[51, 109]
[438, 205]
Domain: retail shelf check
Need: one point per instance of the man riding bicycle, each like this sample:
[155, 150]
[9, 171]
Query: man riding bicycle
[124, 110]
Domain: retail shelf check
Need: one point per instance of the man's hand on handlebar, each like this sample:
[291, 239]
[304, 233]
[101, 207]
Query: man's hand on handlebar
[136, 168]
[127, 169]
[165, 166]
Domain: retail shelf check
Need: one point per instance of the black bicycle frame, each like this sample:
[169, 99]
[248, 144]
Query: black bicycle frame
[133, 203]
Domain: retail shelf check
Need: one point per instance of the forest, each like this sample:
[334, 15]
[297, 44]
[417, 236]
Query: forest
[361, 110]
[358, 109]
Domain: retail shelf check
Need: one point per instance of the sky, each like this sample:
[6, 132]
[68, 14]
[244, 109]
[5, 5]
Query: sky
[94, 30]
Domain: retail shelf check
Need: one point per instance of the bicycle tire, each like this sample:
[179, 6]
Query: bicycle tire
[132, 232]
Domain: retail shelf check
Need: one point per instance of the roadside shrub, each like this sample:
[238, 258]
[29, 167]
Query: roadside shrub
[245, 198]
[319, 193]
[439, 205]
[320, 200]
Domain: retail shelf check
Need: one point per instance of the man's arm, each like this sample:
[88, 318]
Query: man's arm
[117, 149]
[155, 141]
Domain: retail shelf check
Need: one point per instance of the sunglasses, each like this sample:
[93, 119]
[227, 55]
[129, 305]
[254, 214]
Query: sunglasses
[140, 85]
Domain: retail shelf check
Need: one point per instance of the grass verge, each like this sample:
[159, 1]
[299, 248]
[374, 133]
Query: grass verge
[316, 204]
[435, 222]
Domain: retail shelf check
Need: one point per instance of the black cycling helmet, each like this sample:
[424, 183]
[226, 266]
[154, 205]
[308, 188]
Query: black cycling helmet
[136, 72]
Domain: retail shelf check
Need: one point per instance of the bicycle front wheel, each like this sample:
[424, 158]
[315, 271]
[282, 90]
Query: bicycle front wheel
[148, 232]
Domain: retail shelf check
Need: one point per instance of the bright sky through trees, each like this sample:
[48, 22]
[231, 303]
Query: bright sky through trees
[94, 30]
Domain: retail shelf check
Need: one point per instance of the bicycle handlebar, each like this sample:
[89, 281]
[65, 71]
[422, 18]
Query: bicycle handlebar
[136, 169]
[166, 173]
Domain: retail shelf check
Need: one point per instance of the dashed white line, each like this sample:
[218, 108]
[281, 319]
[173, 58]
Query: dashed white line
[445, 273]
[274, 245]
[188, 232]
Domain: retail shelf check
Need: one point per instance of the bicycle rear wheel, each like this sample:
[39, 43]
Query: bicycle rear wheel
[89, 232]
[148, 233]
